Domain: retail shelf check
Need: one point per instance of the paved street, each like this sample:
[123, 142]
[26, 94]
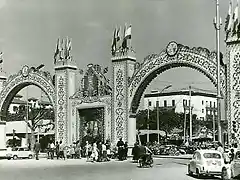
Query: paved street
[164, 169]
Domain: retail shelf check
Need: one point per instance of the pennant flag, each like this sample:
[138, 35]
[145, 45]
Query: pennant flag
[118, 34]
[128, 33]
[235, 18]
[124, 42]
[114, 42]
[69, 45]
[229, 17]
[56, 51]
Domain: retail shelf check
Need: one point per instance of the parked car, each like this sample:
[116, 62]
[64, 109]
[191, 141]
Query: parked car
[20, 152]
[3, 153]
[207, 162]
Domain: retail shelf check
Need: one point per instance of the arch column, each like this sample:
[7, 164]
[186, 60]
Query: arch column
[122, 124]
[65, 75]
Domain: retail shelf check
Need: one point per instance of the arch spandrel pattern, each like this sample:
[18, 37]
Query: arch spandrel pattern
[18, 81]
[200, 59]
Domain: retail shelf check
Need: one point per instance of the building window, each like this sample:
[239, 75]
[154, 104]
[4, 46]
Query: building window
[173, 102]
[202, 110]
[202, 102]
[210, 103]
[165, 103]
[157, 103]
[206, 103]
[149, 103]
[214, 104]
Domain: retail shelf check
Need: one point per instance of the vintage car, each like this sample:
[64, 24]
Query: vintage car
[20, 152]
[3, 153]
[207, 162]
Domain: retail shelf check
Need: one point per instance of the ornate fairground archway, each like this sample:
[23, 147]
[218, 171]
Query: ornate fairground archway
[132, 78]
[25, 77]
[175, 55]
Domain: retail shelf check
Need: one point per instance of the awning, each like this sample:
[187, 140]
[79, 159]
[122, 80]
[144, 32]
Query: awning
[11, 137]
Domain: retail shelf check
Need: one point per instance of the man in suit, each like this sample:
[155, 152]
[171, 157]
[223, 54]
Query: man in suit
[37, 148]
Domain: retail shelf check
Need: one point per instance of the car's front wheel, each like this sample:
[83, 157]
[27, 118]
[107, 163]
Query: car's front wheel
[189, 171]
[30, 156]
[15, 157]
[198, 173]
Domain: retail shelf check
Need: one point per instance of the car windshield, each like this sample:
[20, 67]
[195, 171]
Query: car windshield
[212, 155]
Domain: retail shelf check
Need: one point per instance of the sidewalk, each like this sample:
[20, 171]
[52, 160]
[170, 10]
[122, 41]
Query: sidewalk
[186, 156]
[43, 162]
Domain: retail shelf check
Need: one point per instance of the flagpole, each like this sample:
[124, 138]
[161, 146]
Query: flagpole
[217, 27]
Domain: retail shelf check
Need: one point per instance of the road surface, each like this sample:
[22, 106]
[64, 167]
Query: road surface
[163, 169]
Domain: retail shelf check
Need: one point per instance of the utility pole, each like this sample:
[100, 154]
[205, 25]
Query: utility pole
[214, 128]
[185, 123]
[190, 114]
[158, 121]
[27, 120]
[217, 24]
[158, 117]
[148, 122]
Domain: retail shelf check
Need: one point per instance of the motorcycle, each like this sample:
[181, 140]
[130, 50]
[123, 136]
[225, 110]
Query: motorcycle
[146, 161]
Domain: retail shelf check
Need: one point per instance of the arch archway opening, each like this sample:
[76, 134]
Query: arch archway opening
[30, 113]
[139, 92]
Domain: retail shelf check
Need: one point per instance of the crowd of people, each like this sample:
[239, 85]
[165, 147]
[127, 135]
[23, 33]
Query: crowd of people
[94, 152]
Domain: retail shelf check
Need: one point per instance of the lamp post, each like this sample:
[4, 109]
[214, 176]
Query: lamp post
[217, 25]
[14, 142]
[158, 117]
[190, 114]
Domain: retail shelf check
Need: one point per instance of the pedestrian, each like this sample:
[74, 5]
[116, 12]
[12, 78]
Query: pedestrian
[52, 148]
[48, 150]
[135, 152]
[94, 152]
[125, 150]
[72, 152]
[104, 152]
[78, 150]
[61, 149]
[37, 148]
[99, 147]
[120, 145]
[220, 148]
[57, 150]
[88, 150]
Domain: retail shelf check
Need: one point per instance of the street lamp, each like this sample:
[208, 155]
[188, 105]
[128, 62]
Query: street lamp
[158, 117]
[217, 25]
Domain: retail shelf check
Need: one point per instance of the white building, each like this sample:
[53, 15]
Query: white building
[203, 103]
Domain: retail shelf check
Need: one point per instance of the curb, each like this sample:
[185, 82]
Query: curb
[173, 157]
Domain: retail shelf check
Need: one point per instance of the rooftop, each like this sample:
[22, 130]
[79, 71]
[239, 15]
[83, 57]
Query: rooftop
[183, 91]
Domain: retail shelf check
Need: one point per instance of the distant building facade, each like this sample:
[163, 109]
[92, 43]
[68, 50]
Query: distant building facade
[203, 103]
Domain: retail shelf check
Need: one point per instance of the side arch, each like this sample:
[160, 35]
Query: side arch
[18, 81]
[200, 59]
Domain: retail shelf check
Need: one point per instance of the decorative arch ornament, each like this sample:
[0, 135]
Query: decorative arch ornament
[175, 55]
[25, 77]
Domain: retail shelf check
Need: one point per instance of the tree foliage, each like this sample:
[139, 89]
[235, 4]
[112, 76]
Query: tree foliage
[168, 120]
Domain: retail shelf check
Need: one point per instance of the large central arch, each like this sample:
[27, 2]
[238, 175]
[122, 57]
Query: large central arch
[200, 59]
[131, 78]
[25, 77]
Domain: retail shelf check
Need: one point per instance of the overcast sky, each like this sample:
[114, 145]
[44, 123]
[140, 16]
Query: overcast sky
[30, 28]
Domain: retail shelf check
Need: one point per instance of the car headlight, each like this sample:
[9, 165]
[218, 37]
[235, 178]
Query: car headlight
[8, 155]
